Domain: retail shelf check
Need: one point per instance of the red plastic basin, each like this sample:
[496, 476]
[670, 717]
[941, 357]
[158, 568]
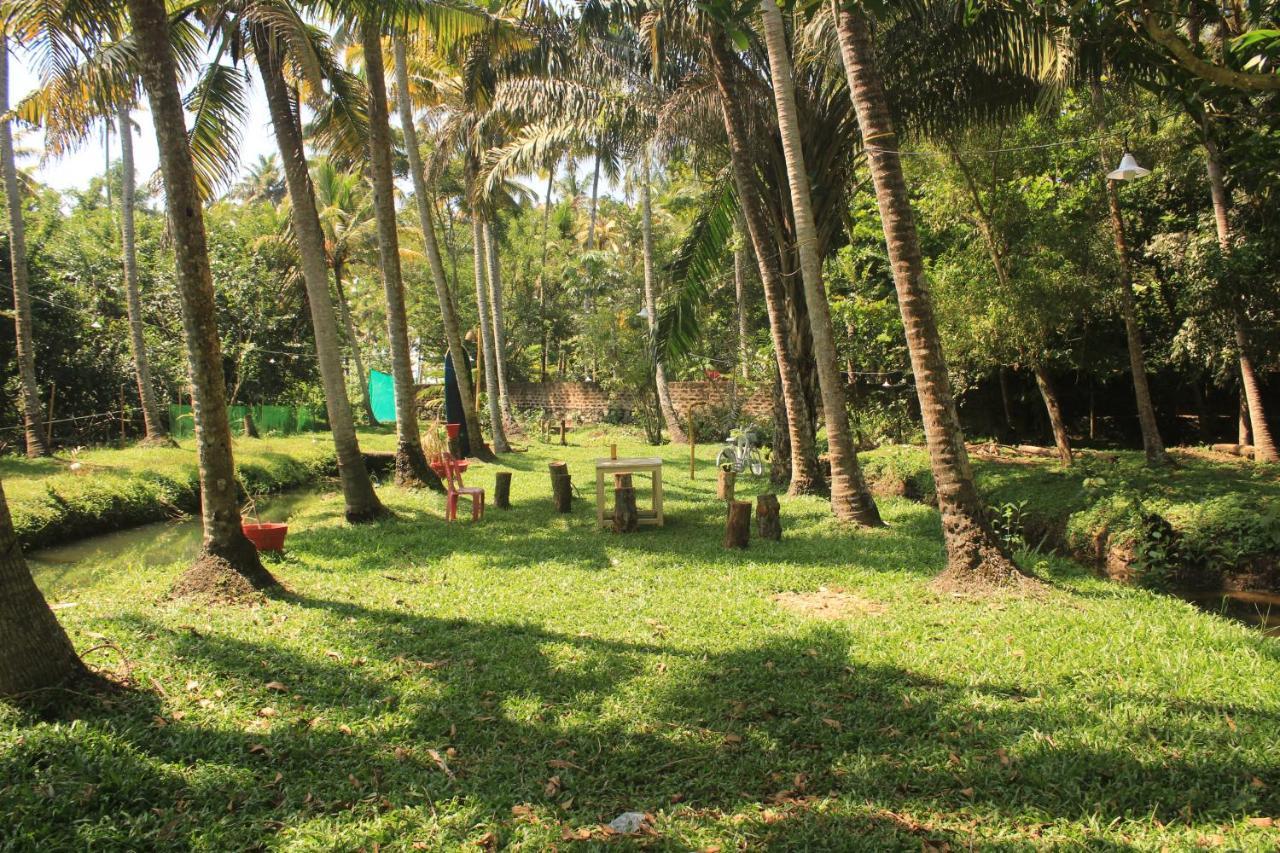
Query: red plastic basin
[266, 537]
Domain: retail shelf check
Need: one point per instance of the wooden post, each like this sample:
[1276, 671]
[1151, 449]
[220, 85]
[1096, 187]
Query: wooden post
[563, 430]
[250, 428]
[124, 417]
[626, 518]
[613, 451]
[561, 486]
[768, 518]
[502, 490]
[737, 528]
[693, 445]
[725, 485]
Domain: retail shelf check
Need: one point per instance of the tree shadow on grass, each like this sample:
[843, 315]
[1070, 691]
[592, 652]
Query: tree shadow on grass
[842, 756]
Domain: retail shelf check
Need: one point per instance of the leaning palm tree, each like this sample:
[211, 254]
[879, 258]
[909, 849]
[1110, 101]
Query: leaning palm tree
[850, 497]
[29, 394]
[974, 553]
[225, 547]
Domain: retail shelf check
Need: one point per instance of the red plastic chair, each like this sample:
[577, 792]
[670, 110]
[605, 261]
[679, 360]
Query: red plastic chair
[454, 488]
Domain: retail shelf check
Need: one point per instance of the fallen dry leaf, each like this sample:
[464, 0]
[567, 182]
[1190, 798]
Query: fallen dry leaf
[439, 760]
[267, 712]
[1263, 822]
[276, 686]
[562, 764]
[835, 724]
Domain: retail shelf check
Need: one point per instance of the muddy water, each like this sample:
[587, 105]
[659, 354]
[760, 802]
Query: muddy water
[65, 568]
[1254, 608]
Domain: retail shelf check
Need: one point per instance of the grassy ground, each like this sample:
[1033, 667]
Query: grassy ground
[518, 682]
[93, 491]
[1225, 513]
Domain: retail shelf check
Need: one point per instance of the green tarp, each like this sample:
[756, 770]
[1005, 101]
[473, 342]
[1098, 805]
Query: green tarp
[382, 396]
[280, 420]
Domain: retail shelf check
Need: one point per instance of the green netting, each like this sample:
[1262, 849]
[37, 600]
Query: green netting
[279, 420]
[382, 396]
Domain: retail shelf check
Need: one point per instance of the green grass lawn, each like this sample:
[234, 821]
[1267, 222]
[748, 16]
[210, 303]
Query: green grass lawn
[99, 490]
[518, 682]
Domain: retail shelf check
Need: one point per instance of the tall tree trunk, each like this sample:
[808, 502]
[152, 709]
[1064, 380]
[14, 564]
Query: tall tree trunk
[806, 476]
[411, 464]
[499, 335]
[35, 653]
[850, 498]
[357, 489]
[740, 298]
[28, 392]
[973, 551]
[224, 541]
[1050, 396]
[542, 275]
[349, 326]
[1244, 433]
[152, 422]
[1005, 402]
[595, 189]
[1152, 444]
[651, 307]
[1264, 446]
[448, 313]
[485, 343]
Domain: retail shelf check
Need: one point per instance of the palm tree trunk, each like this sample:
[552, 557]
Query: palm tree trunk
[740, 299]
[423, 197]
[542, 275]
[806, 476]
[28, 392]
[361, 502]
[595, 188]
[155, 429]
[973, 551]
[665, 405]
[1051, 404]
[1244, 432]
[850, 498]
[349, 326]
[1264, 446]
[411, 463]
[499, 336]
[37, 654]
[500, 444]
[225, 545]
[1152, 444]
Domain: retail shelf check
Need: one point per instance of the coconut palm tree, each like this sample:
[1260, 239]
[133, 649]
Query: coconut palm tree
[35, 653]
[225, 546]
[499, 335]
[423, 202]
[28, 392]
[974, 553]
[850, 497]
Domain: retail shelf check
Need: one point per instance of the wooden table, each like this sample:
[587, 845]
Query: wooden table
[639, 465]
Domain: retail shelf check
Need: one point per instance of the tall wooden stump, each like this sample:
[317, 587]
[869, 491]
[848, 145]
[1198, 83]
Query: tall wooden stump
[737, 529]
[561, 486]
[502, 490]
[250, 428]
[768, 519]
[626, 518]
[563, 433]
[725, 485]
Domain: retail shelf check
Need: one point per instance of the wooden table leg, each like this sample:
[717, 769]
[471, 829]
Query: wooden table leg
[599, 497]
[657, 494]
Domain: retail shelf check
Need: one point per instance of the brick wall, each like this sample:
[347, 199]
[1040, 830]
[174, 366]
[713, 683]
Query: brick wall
[587, 401]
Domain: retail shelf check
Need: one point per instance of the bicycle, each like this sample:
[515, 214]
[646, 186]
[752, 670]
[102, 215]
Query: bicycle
[739, 453]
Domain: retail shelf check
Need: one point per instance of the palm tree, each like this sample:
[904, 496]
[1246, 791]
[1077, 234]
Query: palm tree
[973, 550]
[263, 182]
[224, 546]
[36, 653]
[651, 304]
[362, 503]
[486, 342]
[740, 297]
[29, 394]
[499, 336]
[156, 434]
[423, 199]
[850, 498]
[411, 463]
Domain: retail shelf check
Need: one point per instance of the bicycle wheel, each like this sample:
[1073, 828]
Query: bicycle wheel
[757, 467]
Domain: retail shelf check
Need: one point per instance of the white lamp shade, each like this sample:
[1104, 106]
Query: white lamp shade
[1128, 169]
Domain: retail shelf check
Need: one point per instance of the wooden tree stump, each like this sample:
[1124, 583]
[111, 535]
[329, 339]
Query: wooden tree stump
[561, 486]
[502, 490]
[563, 433]
[725, 485]
[737, 529]
[250, 428]
[626, 518]
[768, 519]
